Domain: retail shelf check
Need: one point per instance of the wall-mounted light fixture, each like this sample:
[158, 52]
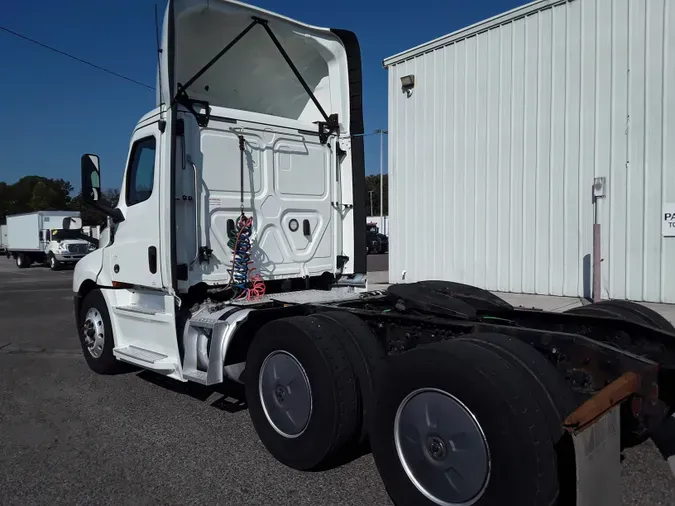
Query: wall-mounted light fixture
[407, 84]
[408, 81]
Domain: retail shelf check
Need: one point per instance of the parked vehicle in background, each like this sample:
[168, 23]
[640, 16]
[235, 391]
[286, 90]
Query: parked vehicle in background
[375, 241]
[3, 239]
[47, 237]
[378, 221]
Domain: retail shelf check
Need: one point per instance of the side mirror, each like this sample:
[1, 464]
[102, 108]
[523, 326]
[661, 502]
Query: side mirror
[91, 188]
[91, 178]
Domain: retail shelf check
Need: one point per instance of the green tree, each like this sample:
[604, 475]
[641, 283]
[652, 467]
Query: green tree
[44, 197]
[34, 193]
[373, 185]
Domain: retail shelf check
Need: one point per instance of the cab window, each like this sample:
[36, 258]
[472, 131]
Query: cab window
[141, 171]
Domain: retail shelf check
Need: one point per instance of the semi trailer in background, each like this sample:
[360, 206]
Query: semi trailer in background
[47, 237]
[237, 253]
[514, 142]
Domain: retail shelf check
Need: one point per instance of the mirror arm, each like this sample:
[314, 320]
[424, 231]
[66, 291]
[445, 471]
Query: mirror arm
[113, 212]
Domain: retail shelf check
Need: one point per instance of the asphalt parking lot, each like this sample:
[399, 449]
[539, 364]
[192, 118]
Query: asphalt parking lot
[68, 436]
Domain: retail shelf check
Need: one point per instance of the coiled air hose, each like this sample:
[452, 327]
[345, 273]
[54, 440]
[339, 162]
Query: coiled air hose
[245, 282]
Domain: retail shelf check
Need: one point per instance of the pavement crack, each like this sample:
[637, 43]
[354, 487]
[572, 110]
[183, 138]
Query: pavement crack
[7, 349]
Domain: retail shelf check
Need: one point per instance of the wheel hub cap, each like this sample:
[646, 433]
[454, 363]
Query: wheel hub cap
[442, 448]
[94, 332]
[285, 394]
[436, 448]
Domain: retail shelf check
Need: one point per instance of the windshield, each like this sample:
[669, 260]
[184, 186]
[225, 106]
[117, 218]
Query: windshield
[62, 234]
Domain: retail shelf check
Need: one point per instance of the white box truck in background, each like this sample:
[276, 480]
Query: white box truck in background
[3, 238]
[52, 237]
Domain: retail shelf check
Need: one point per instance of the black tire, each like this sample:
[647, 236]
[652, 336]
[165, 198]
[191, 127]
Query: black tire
[633, 310]
[22, 261]
[625, 310]
[106, 363]
[333, 419]
[523, 466]
[54, 264]
[549, 387]
[367, 355]
[425, 300]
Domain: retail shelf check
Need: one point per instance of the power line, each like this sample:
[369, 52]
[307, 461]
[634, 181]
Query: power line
[63, 53]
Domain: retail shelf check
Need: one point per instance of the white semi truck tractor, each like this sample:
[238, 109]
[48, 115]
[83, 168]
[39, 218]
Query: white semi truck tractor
[236, 252]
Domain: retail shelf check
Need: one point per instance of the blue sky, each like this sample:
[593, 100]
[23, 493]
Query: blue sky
[54, 109]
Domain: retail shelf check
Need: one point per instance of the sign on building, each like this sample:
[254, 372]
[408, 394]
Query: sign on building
[668, 223]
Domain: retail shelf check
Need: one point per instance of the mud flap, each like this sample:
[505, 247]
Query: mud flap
[597, 453]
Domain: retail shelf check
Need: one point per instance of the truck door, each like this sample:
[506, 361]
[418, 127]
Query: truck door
[133, 257]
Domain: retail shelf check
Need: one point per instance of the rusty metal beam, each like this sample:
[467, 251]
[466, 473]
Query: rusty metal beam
[607, 398]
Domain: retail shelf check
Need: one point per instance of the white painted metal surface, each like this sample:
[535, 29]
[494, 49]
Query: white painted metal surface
[597, 452]
[494, 152]
[127, 259]
[144, 329]
[289, 185]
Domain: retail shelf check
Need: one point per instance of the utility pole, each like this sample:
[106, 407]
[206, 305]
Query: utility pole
[381, 132]
[370, 192]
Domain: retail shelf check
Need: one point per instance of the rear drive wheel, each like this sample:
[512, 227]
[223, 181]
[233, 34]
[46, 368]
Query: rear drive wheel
[366, 354]
[549, 387]
[96, 336]
[302, 391]
[633, 311]
[457, 424]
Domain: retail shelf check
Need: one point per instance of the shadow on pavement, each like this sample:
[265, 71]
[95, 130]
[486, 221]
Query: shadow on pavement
[232, 398]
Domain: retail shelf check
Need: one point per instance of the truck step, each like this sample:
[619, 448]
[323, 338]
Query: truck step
[141, 356]
[138, 309]
[204, 322]
[196, 376]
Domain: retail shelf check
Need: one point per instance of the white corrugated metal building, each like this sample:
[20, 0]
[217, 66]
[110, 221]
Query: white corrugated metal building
[494, 151]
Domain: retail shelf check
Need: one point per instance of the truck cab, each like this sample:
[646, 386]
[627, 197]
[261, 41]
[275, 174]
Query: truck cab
[254, 121]
[64, 246]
